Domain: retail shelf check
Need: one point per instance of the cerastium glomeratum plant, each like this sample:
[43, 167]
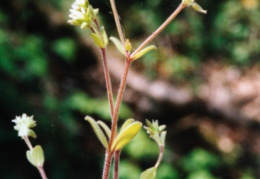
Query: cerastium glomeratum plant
[84, 15]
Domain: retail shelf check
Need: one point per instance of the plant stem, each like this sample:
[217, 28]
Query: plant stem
[116, 164]
[159, 29]
[108, 82]
[107, 164]
[118, 25]
[42, 172]
[28, 143]
[118, 101]
[160, 157]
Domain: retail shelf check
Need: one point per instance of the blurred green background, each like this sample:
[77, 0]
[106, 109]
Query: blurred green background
[49, 69]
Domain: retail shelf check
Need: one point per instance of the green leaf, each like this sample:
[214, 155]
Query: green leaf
[126, 135]
[36, 156]
[126, 123]
[144, 51]
[105, 127]
[149, 173]
[118, 45]
[98, 131]
[97, 40]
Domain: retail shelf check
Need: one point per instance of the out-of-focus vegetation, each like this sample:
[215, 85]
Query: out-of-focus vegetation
[46, 70]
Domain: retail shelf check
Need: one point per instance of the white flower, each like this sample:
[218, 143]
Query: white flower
[82, 14]
[23, 124]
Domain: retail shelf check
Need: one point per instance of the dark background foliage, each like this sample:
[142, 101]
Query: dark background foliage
[50, 69]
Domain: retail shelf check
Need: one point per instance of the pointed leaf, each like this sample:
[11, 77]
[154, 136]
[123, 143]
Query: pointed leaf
[149, 173]
[126, 124]
[105, 127]
[126, 135]
[144, 51]
[97, 40]
[36, 156]
[99, 133]
[118, 45]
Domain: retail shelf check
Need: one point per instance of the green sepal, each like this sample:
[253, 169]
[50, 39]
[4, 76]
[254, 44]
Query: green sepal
[118, 45]
[99, 133]
[36, 156]
[126, 135]
[32, 134]
[97, 40]
[104, 36]
[163, 137]
[105, 127]
[144, 51]
[149, 173]
[84, 25]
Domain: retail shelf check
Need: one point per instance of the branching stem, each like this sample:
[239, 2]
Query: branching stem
[159, 29]
[118, 101]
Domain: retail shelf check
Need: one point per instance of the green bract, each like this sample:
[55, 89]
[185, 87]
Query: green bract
[118, 45]
[149, 173]
[98, 131]
[126, 134]
[36, 156]
[23, 124]
[144, 51]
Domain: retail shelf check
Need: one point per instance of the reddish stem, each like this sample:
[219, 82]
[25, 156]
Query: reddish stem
[118, 101]
[107, 165]
[108, 82]
[159, 29]
[116, 164]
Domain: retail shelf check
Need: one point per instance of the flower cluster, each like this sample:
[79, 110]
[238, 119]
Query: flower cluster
[156, 131]
[82, 14]
[23, 124]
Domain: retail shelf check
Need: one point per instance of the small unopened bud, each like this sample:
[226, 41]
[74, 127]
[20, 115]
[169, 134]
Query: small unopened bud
[198, 8]
[128, 45]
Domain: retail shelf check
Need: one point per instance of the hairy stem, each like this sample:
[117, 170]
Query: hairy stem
[107, 165]
[108, 82]
[160, 156]
[159, 29]
[118, 101]
[118, 25]
[116, 164]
